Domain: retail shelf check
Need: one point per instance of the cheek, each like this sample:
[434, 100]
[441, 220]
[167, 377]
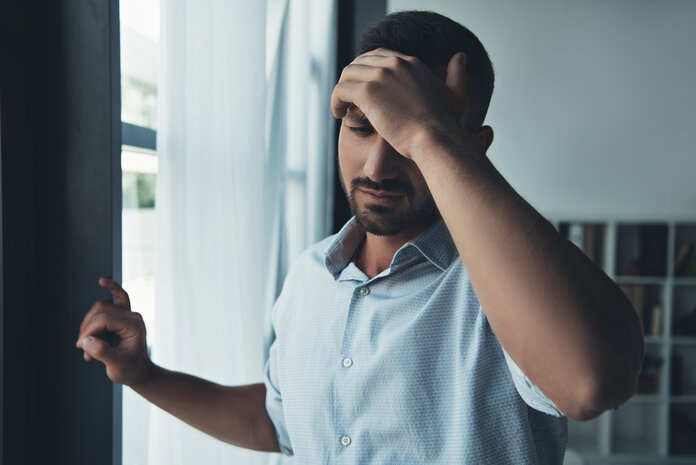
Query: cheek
[349, 159]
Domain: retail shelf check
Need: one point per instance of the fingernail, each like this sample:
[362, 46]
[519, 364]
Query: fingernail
[86, 341]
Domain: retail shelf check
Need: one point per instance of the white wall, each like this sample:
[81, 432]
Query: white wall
[595, 103]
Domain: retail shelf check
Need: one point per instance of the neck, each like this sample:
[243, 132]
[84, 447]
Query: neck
[376, 252]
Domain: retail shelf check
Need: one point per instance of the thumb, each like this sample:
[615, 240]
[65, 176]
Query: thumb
[96, 348]
[456, 81]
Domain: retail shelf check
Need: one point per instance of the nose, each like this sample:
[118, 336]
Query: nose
[382, 161]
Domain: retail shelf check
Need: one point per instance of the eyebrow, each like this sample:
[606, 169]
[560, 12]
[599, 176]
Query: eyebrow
[356, 115]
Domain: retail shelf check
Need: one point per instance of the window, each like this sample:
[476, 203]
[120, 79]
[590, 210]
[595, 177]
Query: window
[139, 56]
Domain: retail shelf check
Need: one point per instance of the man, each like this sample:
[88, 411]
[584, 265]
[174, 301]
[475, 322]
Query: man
[447, 322]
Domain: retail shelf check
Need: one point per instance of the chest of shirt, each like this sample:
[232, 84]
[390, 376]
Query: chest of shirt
[350, 336]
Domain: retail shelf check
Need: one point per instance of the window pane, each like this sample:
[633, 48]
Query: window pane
[139, 56]
[139, 167]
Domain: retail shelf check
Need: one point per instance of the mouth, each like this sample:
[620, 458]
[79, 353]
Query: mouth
[381, 197]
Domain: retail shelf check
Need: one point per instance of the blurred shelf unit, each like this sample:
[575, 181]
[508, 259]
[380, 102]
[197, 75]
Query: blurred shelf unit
[654, 263]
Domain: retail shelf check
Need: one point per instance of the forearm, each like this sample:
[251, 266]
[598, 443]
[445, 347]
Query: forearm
[234, 414]
[562, 320]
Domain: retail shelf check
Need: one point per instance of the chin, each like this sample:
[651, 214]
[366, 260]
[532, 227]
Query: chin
[389, 223]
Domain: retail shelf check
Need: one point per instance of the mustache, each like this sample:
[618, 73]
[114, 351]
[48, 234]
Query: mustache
[388, 185]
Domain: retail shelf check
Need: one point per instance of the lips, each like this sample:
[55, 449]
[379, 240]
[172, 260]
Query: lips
[381, 197]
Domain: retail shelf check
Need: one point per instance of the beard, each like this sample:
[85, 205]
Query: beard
[390, 220]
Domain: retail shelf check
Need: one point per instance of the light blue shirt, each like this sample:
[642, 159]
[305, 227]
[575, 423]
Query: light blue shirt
[399, 369]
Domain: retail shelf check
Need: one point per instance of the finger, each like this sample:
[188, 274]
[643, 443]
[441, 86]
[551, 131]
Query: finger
[361, 72]
[344, 94]
[114, 321]
[98, 307]
[120, 296]
[98, 349]
[384, 52]
[456, 81]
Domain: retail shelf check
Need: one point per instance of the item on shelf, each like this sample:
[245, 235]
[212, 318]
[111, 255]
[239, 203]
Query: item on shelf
[685, 260]
[677, 380]
[683, 434]
[587, 237]
[655, 318]
[635, 295]
[648, 380]
[652, 319]
[685, 325]
[634, 267]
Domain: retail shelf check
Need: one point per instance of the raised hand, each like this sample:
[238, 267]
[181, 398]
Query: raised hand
[402, 98]
[116, 336]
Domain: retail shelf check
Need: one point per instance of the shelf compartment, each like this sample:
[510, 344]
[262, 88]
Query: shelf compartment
[652, 381]
[588, 237]
[684, 311]
[685, 250]
[683, 376]
[589, 437]
[682, 423]
[637, 428]
[641, 250]
[648, 302]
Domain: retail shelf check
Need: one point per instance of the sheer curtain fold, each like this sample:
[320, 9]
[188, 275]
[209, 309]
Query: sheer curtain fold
[246, 158]
[216, 208]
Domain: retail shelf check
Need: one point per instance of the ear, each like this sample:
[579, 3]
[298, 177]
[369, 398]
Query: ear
[455, 80]
[484, 137]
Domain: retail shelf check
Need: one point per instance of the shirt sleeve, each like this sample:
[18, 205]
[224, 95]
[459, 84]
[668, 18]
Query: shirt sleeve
[529, 392]
[274, 403]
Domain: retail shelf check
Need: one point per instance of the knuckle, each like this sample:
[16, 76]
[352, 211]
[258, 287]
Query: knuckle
[139, 320]
[397, 62]
[99, 306]
[371, 87]
[383, 74]
[344, 72]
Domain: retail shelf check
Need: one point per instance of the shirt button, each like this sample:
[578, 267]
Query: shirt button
[347, 362]
[345, 440]
[364, 291]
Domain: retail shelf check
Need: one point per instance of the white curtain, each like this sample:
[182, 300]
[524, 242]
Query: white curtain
[231, 214]
[217, 194]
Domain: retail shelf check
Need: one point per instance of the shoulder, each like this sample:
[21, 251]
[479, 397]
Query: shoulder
[312, 257]
[308, 266]
[311, 262]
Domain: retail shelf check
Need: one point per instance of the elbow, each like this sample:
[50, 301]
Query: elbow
[613, 379]
[588, 403]
[601, 393]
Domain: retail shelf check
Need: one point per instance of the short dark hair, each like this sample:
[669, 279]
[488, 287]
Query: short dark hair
[434, 39]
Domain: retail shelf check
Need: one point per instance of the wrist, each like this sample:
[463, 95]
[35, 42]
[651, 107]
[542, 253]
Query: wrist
[429, 141]
[146, 377]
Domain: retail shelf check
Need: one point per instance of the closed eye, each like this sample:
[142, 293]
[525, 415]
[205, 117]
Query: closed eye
[363, 130]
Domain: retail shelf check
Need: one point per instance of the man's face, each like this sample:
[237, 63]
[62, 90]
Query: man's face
[386, 191]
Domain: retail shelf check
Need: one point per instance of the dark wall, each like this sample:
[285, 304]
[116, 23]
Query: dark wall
[354, 18]
[60, 123]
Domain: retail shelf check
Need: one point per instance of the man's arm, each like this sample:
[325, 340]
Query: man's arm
[234, 414]
[559, 317]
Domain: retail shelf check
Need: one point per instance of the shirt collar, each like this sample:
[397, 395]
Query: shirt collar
[435, 244]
